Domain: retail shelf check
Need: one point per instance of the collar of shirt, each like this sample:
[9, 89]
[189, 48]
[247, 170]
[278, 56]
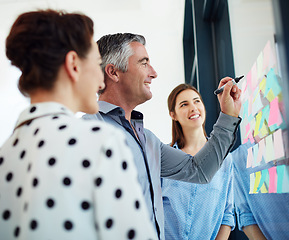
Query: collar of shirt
[108, 108]
[40, 110]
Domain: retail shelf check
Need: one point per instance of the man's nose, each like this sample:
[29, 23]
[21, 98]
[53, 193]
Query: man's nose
[153, 73]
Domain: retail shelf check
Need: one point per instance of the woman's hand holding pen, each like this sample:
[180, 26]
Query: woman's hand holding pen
[229, 99]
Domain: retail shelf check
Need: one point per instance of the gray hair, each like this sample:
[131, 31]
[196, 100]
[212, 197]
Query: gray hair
[115, 49]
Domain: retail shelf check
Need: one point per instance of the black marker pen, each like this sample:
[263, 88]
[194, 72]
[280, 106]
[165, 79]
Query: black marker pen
[221, 89]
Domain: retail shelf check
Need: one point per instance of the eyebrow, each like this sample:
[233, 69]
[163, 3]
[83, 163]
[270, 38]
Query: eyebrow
[187, 101]
[144, 59]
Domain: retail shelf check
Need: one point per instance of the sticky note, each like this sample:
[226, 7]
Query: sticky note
[262, 85]
[266, 56]
[264, 177]
[250, 157]
[278, 144]
[275, 115]
[257, 181]
[255, 154]
[272, 83]
[261, 145]
[257, 125]
[252, 182]
[269, 148]
[272, 180]
[254, 76]
[285, 185]
[265, 181]
[260, 65]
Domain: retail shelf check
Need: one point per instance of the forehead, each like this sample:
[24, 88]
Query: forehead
[139, 50]
[187, 94]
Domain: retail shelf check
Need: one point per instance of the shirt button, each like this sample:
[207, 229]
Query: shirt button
[156, 209]
[234, 124]
[190, 213]
[187, 233]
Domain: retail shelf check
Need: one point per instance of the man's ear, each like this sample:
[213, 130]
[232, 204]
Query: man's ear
[172, 114]
[112, 72]
[71, 65]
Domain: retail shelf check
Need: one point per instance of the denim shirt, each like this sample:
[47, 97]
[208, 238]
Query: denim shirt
[155, 159]
[189, 206]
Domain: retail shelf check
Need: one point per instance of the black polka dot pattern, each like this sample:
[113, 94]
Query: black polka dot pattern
[77, 177]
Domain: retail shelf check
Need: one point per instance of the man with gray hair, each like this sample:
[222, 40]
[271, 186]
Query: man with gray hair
[128, 75]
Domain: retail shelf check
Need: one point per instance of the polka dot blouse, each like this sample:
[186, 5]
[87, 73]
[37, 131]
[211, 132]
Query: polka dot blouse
[66, 178]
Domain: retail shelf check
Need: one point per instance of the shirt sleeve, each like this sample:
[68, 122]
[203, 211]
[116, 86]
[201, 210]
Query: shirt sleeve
[120, 211]
[202, 167]
[229, 213]
[245, 216]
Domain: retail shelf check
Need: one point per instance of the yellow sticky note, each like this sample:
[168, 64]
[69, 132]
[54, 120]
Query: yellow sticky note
[262, 85]
[257, 181]
[270, 96]
[264, 189]
[257, 125]
[264, 131]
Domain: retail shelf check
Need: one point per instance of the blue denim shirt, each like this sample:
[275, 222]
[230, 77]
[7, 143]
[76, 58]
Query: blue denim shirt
[155, 159]
[188, 207]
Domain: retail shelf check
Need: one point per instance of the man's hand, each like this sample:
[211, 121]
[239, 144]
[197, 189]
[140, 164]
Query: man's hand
[229, 99]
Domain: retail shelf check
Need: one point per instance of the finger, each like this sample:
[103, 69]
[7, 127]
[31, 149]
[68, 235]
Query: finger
[234, 89]
[224, 81]
[228, 88]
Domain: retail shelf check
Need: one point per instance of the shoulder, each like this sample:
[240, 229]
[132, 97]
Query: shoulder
[95, 128]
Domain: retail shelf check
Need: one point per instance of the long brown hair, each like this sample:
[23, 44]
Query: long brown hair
[177, 131]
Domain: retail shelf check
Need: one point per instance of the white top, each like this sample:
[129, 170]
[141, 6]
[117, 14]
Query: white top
[66, 178]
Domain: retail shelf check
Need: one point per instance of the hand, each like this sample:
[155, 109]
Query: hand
[229, 99]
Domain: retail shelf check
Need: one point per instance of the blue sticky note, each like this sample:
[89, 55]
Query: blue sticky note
[272, 83]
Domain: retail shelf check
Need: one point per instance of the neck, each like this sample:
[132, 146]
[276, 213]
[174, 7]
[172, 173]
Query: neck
[57, 94]
[195, 140]
[118, 100]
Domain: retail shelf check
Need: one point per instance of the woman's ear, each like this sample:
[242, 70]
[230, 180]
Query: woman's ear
[112, 72]
[172, 114]
[72, 66]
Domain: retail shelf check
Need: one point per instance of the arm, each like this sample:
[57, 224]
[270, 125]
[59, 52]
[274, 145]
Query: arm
[228, 221]
[224, 232]
[120, 209]
[253, 232]
[201, 168]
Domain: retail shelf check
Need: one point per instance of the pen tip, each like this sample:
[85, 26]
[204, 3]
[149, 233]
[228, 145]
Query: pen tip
[239, 78]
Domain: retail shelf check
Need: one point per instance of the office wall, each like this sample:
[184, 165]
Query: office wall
[160, 21]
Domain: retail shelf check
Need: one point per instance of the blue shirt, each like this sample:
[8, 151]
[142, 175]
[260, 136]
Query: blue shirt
[197, 211]
[155, 159]
[270, 211]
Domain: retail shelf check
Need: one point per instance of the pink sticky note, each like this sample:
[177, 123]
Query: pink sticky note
[250, 157]
[252, 140]
[275, 115]
[247, 127]
[272, 180]
[278, 144]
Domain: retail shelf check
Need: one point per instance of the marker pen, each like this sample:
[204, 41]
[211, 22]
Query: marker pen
[221, 89]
